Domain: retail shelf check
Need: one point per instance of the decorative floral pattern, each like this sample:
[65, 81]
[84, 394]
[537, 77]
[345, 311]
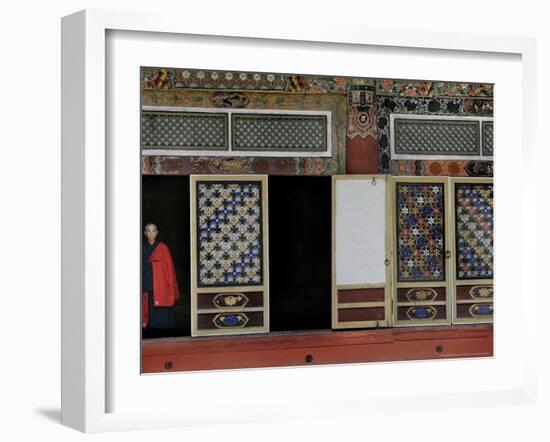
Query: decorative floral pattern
[229, 99]
[157, 78]
[189, 165]
[416, 88]
[481, 291]
[422, 294]
[424, 312]
[230, 320]
[420, 231]
[442, 168]
[193, 78]
[479, 310]
[479, 168]
[224, 300]
[474, 230]
[229, 233]
[362, 122]
[315, 84]
[479, 107]
[404, 88]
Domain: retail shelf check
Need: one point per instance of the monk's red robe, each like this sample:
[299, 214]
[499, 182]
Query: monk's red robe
[165, 285]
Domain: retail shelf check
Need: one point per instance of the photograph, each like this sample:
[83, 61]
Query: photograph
[294, 219]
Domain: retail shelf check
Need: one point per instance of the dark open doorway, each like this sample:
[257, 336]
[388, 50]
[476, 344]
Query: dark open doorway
[300, 252]
[165, 202]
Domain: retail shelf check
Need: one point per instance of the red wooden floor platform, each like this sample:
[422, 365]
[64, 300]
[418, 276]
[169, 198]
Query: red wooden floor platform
[316, 347]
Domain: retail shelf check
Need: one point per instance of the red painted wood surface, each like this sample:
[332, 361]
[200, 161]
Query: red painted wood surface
[319, 347]
[361, 155]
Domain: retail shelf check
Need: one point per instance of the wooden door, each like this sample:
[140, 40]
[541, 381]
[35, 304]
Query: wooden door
[472, 226]
[422, 251]
[361, 295]
[229, 255]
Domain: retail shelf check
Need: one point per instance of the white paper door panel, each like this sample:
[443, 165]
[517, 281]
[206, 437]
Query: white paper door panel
[360, 231]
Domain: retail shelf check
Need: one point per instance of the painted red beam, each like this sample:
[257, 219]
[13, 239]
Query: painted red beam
[313, 348]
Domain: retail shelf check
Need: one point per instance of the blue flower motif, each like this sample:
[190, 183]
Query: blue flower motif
[421, 312]
[484, 310]
[230, 320]
[432, 262]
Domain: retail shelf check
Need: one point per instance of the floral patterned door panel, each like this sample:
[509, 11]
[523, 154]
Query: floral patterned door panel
[361, 295]
[422, 252]
[473, 258]
[229, 253]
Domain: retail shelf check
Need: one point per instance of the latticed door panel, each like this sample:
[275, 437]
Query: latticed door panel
[472, 220]
[229, 255]
[422, 251]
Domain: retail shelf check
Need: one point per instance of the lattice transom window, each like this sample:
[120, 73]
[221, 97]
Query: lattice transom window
[238, 132]
[440, 137]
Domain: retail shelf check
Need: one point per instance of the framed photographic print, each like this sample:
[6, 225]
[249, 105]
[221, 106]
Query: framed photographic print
[241, 215]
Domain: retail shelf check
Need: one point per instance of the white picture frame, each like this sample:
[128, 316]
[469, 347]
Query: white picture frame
[89, 171]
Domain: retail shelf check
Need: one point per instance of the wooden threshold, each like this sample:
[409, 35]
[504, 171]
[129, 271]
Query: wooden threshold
[316, 347]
